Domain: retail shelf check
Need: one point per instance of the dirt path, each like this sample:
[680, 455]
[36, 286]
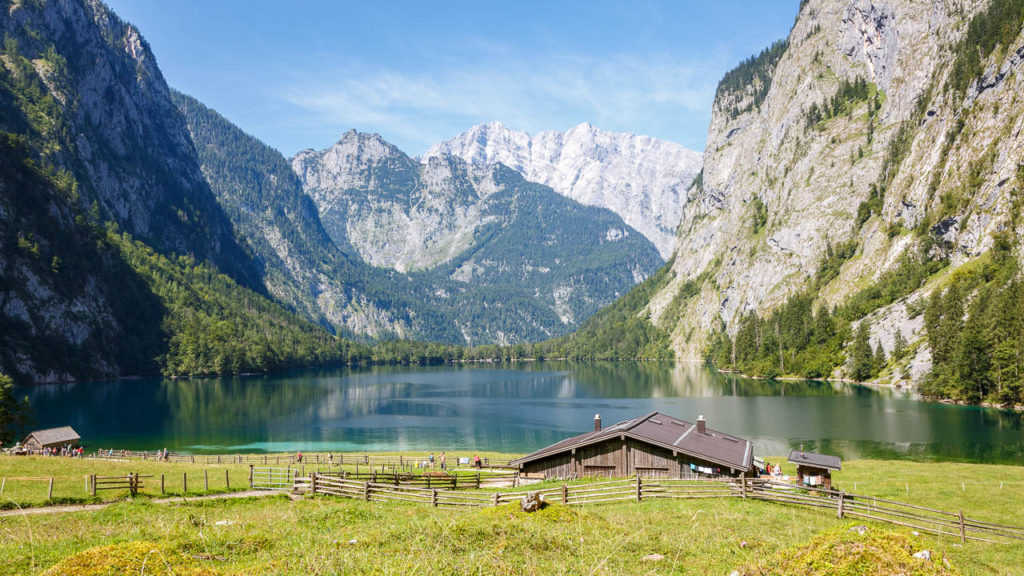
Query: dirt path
[91, 507]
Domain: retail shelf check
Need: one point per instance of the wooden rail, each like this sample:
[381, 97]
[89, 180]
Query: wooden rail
[132, 482]
[844, 504]
[290, 458]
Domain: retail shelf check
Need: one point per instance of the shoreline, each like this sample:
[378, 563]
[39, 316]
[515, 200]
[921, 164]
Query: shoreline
[910, 387]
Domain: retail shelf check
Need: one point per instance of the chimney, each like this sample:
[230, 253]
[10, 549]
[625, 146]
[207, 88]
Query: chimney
[802, 454]
[701, 429]
[597, 422]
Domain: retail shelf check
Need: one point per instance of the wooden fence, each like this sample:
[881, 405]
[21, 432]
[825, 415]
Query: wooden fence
[276, 459]
[132, 482]
[891, 511]
[845, 505]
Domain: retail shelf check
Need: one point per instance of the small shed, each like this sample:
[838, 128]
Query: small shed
[51, 437]
[813, 469]
[652, 446]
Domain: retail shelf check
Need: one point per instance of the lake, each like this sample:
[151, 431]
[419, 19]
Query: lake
[516, 408]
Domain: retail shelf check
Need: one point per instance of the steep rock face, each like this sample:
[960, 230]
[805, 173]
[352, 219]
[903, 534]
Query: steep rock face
[505, 259]
[784, 177]
[69, 307]
[390, 210]
[642, 179]
[120, 135]
[264, 200]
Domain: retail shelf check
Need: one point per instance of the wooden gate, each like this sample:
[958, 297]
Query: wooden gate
[265, 478]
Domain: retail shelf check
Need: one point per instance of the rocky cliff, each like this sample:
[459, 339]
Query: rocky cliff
[506, 259]
[642, 179]
[302, 268]
[117, 131]
[861, 129]
[91, 136]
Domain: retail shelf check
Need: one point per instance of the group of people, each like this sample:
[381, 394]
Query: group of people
[429, 463]
[67, 451]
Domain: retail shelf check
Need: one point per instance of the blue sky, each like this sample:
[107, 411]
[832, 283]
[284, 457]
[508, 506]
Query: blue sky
[298, 74]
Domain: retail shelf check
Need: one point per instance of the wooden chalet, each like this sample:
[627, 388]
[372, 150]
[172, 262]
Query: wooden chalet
[51, 438]
[651, 446]
[813, 469]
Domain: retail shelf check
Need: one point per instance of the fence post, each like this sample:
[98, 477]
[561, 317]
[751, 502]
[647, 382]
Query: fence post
[161, 483]
[433, 497]
[366, 491]
[639, 487]
[227, 479]
[496, 497]
[842, 496]
[93, 476]
[565, 494]
[743, 487]
[2, 484]
[184, 482]
[250, 475]
[206, 481]
[963, 529]
[86, 485]
[312, 483]
[477, 480]
[49, 496]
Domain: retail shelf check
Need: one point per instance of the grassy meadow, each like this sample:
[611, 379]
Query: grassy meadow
[324, 535]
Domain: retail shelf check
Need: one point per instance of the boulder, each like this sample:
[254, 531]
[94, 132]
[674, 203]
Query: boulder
[531, 502]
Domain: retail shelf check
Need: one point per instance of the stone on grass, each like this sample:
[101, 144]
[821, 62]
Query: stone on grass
[531, 502]
[653, 558]
[924, 555]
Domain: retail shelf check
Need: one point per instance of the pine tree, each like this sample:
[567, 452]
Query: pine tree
[899, 346]
[862, 357]
[879, 361]
[15, 415]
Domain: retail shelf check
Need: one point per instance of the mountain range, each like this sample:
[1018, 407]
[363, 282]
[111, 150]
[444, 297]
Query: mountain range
[642, 179]
[858, 212]
[144, 232]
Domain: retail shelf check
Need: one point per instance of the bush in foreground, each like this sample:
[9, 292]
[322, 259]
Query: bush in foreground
[852, 551]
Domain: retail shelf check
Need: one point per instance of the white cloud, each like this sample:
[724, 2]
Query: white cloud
[647, 95]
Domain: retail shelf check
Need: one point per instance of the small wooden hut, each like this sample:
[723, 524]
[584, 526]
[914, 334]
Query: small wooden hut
[51, 438]
[651, 446]
[813, 469]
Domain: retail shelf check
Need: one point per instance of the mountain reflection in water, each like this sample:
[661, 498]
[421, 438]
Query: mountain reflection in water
[516, 408]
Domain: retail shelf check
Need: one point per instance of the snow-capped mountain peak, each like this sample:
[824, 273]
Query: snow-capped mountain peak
[643, 179]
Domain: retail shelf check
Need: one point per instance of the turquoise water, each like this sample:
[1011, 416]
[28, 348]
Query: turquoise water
[515, 409]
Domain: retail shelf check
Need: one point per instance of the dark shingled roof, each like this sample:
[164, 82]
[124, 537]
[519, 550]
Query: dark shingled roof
[668, 432]
[815, 460]
[62, 435]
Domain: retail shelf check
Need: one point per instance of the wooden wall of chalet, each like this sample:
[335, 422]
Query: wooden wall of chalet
[619, 458]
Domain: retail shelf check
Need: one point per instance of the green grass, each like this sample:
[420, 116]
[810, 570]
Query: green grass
[324, 535]
[27, 477]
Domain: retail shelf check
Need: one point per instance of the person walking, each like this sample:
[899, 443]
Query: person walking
[431, 459]
[476, 461]
[444, 465]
